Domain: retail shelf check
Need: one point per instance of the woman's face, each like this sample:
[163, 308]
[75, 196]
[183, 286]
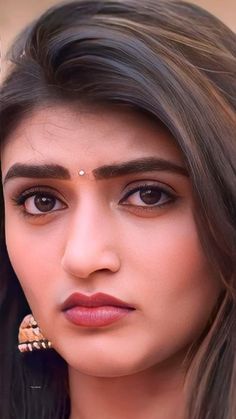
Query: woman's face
[127, 232]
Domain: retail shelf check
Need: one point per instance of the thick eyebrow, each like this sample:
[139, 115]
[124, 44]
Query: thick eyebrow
[44, 171]
[55, 171]
[145, 164]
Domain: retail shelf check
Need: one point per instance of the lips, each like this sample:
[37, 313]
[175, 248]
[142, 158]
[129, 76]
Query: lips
[96, 310]
[95, 300]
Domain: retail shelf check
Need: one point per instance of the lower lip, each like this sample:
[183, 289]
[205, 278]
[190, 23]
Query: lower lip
[95, 316]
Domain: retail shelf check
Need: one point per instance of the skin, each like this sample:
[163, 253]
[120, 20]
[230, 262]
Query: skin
[92, 242]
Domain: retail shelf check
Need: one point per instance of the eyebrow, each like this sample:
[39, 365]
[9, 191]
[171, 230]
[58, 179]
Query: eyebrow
[144, 164]
[44, 171]
[55, 171]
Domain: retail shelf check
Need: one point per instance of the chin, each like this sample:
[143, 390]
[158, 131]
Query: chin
[108, 365]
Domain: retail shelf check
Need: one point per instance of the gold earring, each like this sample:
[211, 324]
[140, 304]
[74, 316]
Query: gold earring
[30, 337]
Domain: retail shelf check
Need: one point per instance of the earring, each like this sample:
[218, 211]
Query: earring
[30, 337]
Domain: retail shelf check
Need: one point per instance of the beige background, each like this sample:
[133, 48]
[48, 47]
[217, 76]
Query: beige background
[14, 14]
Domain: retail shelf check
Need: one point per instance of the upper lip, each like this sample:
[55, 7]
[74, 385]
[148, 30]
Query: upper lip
[96, 300]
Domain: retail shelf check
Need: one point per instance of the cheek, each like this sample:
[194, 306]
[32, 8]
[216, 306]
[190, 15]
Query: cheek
[32, 257]
[176, 287]
[168, 252]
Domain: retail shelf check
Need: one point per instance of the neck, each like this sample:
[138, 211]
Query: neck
[154, 393]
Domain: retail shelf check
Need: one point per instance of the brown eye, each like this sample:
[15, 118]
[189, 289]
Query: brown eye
[150, 196]
[41, 203]
[44, 203]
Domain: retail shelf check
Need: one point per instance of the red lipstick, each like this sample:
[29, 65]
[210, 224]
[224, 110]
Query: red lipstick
[96, 310]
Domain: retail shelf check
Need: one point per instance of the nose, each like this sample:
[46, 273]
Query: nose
[90, 245]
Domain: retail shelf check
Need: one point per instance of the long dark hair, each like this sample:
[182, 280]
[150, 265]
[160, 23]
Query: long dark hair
[177, 63]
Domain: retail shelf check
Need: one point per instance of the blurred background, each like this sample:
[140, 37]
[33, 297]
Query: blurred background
[15, 14]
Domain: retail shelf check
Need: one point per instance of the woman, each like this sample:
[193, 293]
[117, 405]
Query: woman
[118, 235]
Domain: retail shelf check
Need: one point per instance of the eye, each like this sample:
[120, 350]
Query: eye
[148, 196]
[38, 202]
[41, 203]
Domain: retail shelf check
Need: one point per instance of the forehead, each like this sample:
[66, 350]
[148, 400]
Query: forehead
[87, 137]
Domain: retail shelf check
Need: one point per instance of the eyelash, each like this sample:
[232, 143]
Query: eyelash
[153, 187]
[20, 199]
